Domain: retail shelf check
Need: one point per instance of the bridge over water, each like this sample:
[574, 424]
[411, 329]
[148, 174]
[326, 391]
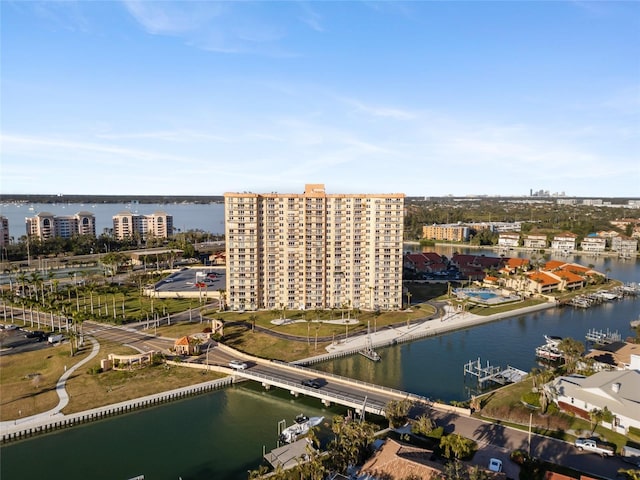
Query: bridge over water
[329, 388]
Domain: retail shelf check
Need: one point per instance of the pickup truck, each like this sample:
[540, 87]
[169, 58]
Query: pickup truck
[591, 445]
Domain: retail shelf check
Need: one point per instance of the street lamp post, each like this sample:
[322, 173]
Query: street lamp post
[530, 419]
[207, 360]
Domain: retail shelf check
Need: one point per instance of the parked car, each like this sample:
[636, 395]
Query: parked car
[495, 465]
[11, 327]
[35, 334]
[238, 364]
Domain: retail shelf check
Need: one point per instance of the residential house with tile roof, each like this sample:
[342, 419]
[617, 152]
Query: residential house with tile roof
[397, 461]
[618, 391]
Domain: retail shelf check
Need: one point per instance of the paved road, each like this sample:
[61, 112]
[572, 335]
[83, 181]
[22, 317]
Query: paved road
[502, 440]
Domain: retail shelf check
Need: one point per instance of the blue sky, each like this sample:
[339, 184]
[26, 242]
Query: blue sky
[423, 98]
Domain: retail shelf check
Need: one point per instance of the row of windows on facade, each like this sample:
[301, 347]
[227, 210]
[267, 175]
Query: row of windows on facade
[264, 200]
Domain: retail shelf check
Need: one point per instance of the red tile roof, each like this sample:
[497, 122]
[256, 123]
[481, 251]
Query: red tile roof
[543, 278]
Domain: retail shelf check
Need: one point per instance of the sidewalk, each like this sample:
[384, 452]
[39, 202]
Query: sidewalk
[63, 397]
[452, 320]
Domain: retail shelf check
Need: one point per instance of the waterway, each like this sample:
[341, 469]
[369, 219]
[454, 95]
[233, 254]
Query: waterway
[221, 435]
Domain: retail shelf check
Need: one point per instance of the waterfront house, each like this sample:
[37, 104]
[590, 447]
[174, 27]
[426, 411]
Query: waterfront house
[565, 242]
[535, 242]
[624, 244]
[508, 239]
[618, 391]
[395, 460]
[614, 356]
[593, 244]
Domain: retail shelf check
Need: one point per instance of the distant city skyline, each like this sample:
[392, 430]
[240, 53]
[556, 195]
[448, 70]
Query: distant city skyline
[421, 98]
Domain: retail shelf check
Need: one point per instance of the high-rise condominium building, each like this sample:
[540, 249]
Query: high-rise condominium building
[314, 250]
[129, 225]
[47, 225]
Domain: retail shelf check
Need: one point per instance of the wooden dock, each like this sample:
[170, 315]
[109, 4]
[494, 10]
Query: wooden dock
[289, 455]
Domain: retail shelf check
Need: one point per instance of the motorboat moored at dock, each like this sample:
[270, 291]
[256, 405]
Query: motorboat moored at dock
[301, 427]
[549, 351]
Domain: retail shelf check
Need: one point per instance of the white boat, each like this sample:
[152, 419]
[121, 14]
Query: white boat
[371, 354]
[301, 427]
[549, 351]
[368, 351]
[552, 340]
[546, 352]
[635, 323]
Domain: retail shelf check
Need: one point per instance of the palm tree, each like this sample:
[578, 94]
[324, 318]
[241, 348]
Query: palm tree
[456, 445]
[22, 279]
[423, 425]
[223, 299]
[35, 279]
[572, 350]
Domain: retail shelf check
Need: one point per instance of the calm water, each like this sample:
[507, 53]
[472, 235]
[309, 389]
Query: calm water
[221, 435]
[186, 216]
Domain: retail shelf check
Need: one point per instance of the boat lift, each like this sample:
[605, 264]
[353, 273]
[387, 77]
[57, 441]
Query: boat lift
[600, 337]
[492, 373]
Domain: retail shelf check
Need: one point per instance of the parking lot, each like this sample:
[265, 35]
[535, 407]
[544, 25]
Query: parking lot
[14, 341]
[192, 279]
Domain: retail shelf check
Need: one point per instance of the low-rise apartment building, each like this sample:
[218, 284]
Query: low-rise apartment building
[452, 232]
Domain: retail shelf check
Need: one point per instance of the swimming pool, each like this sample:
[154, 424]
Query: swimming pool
[485, 296]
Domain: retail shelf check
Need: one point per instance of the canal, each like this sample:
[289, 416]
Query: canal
[221, 435]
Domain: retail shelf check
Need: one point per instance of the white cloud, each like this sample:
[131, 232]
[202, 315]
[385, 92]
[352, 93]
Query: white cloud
[222, 27]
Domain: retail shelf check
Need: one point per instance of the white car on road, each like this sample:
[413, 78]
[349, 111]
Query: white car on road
[238, 364]
[495, 465]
